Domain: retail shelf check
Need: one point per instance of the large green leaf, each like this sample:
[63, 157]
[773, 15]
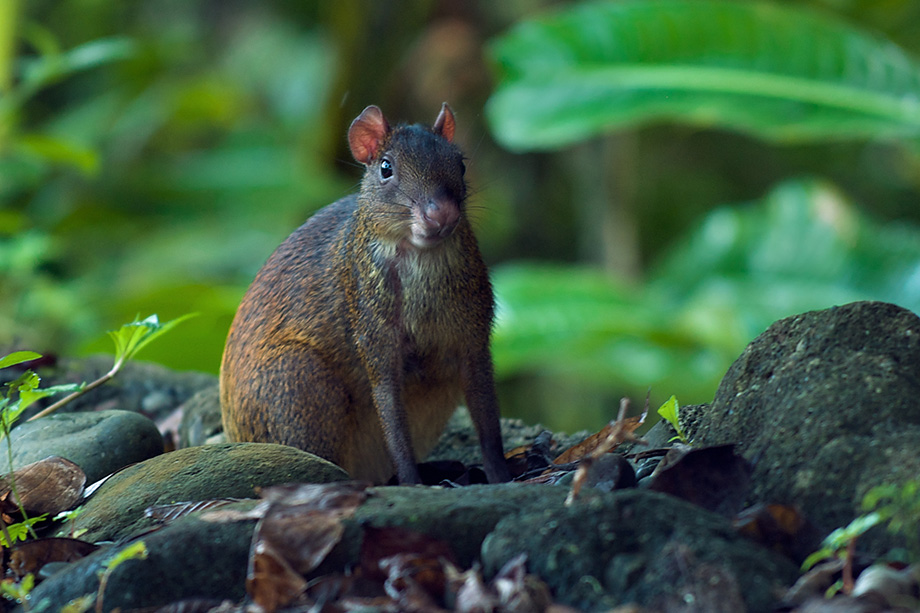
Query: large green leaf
[778, 72]
[804, 246]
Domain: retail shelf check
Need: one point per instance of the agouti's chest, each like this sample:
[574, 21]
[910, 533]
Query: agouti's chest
[431, 307]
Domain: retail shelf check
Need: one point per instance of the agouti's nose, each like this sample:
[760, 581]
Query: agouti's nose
[441, 216]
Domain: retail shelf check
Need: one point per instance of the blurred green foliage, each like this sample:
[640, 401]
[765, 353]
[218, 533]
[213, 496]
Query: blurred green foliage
[802, 247]
[152, 154]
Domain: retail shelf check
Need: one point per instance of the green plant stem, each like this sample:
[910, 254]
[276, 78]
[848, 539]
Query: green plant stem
[9, 11]
[9, 455]
[73, 396]
[6, 533]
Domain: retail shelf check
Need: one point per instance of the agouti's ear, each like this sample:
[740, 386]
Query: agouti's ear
[444, 124]
[367, 133]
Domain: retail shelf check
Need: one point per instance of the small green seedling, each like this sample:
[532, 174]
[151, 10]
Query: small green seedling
[134, 551]
[129, 340]
[20, 531]
[23, 390]
[899, 507]
[20, 393]
[669, 412]
[71, 516]
[79, 605]
[894, 505]
[18, 591]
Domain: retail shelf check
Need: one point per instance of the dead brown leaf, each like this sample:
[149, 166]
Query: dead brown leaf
[271, 581]
[616, 433]
[302, 538]
[383, 543]
[343, 497]
[779, 527]
[519, 592]
[167, 513]
[472, 595]
[31, 556]
[608, 438]
[50, 486]
[414, 582]
[300, 527]
[715, 478]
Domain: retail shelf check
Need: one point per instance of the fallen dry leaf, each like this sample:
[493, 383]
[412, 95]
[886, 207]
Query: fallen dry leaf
[167, 513]
[31, 556]
[472, 595]
[414, 582]
[302, 537]
[715, 478]
[50, 486]
[344, 497]
[519, 592]
[270, 580]
[528, 460]
[779, 527]
[298, 530]
[617, 433]
[382, 543]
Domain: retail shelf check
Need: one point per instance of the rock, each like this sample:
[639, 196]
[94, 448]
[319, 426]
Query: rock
[100, 443]
[636, 546]
[626, 534]
[824, 405]
[188, 559]
[231, 470]
[200, 417]
[460, 442]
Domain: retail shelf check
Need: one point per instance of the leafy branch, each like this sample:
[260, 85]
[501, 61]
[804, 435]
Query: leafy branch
[129, 340]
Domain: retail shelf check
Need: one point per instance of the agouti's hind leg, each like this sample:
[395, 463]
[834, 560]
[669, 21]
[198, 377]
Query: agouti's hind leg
[302, 404]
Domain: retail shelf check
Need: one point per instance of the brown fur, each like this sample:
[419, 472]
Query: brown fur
[355, 344]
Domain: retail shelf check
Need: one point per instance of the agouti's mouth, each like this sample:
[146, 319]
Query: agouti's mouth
[425, 240]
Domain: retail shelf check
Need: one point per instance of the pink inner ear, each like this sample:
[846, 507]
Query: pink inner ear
[444, 124]
[367, 133]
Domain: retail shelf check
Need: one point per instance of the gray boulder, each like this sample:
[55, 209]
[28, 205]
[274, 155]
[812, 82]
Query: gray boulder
[230, 470]
[100, 443]
[608, 541]
[825, 406]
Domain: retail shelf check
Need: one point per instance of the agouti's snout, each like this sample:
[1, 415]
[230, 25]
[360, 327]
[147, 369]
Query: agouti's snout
[434, 222]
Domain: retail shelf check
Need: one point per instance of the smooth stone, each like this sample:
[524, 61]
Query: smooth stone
[230, 470]
[100, 442]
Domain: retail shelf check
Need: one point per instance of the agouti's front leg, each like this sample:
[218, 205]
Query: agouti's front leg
[479, 388]
[392, 413]
[380, 345]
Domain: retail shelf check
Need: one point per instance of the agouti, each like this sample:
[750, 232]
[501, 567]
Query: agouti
[367, 327]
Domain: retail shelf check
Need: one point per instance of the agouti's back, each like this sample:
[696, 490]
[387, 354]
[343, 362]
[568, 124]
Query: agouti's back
[370, 323]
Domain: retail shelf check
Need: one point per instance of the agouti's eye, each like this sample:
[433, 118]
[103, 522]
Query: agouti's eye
[386, 169]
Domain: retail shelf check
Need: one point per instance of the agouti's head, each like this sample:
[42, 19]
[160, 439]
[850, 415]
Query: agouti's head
[413, 188]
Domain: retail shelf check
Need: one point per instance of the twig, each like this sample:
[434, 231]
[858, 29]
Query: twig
[74, 395]
[618, 435]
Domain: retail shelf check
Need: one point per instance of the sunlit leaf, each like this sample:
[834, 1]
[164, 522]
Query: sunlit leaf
[54, 66]
[19, 531]
[134, 336]
[134, 551]
[60, 151]
[779, 72]
[18, 357]
[28, 397]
